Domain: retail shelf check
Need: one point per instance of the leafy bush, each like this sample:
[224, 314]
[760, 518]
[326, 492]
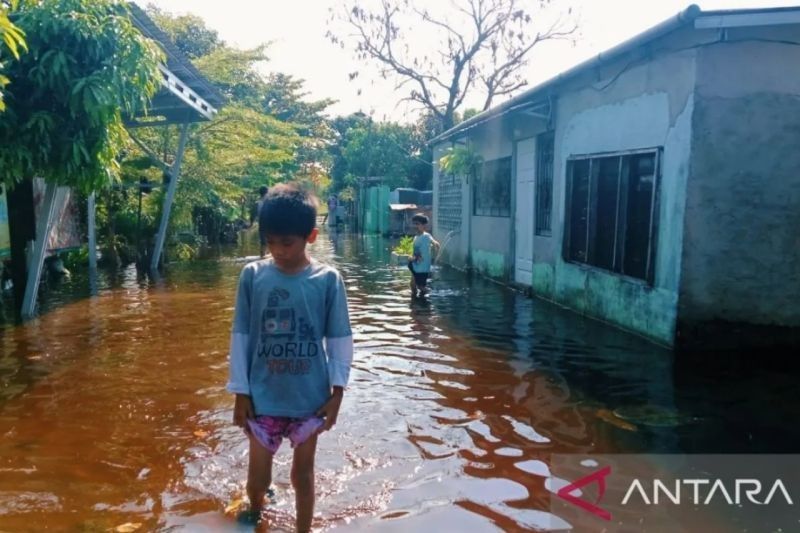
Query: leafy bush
[183, 252]
[76, 259]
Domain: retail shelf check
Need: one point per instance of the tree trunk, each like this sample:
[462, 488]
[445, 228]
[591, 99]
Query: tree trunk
[22, 230]
[447, 120]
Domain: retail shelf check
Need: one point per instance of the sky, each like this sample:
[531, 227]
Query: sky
[296, 30]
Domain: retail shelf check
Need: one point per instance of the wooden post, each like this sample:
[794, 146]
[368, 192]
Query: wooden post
[168, 198]
[43, 227]
[22, 230]
[90, 223]
[92, 230]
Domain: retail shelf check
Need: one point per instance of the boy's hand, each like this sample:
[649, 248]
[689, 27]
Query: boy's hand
[243, 411]
[330, 411]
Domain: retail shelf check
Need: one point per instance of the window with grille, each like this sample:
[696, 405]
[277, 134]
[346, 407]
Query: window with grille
[448, 215]
[611, 219]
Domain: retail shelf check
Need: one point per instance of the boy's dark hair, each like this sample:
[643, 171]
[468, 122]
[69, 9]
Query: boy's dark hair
[263, 190]
[288, 210]
[419, 217]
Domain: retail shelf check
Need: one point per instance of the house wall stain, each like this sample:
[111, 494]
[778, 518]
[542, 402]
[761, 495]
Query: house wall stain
[741, 239]
[635, 113]
[492, 264]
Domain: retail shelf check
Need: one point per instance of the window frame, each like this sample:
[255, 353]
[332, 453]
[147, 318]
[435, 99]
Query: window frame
[479, 177]
[623, 175]
[543, 224]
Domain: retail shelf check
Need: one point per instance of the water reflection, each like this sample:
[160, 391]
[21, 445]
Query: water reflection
[112, 407]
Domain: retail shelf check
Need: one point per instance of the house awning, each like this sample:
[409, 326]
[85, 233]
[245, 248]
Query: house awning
[185, 95]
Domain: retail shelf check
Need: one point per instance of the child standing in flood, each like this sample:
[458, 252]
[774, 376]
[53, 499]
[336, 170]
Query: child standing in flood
[291, 349]
[420, 264]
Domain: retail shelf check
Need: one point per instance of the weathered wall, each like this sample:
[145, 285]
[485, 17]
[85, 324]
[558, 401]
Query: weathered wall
[482, 243]
[490, 237]
[742, 233]
[635, 103]
[646, 106]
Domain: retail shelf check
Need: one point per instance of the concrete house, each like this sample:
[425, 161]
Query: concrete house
[655, 187]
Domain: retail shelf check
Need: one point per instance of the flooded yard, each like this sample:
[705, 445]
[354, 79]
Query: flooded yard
[113, 408]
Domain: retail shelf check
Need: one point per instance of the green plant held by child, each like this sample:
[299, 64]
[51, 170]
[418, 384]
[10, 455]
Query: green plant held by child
[405, 246]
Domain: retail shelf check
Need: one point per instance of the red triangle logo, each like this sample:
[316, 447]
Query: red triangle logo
[598, 477]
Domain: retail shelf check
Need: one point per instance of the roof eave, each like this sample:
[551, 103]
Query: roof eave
[683, 18]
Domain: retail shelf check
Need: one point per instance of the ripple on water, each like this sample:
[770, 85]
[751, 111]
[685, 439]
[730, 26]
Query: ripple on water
[117, 404]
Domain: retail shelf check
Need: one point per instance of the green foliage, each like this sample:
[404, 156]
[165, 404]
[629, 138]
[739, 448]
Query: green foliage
[405, 246]
[460, 160]
[235, 73]
[184, 252]
[77, 259]
[188, 32]
[12, 41]
[86, 68]
[399, 153]
[468, 114]
[380, 149]
[266, 133]
[284, 99]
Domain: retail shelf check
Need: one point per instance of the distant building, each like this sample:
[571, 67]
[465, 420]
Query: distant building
[656, 186]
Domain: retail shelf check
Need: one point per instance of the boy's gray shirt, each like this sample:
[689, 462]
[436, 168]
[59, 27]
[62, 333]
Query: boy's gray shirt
[285, 318]
[422, 248]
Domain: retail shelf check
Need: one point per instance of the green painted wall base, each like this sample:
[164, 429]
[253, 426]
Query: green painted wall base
[490, 264]
[627, 303]
[543, 281]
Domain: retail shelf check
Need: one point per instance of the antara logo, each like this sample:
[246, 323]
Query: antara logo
[598, 477]
[690, 491]
[716, 490]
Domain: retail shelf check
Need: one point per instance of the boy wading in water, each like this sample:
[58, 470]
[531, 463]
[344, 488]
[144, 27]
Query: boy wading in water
[420, 264]
[291, 349]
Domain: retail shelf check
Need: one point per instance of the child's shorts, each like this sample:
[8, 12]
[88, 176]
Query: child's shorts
[270, 430]
[420, 278]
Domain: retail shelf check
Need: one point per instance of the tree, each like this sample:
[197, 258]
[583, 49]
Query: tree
[234, 72]
[189, 32]
[339, 167]
[266, 133]
[12, 41]
[64, 110]
[382, 149]
[484, 47]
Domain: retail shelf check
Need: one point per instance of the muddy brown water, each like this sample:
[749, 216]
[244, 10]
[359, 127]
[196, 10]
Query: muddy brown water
[113, 409]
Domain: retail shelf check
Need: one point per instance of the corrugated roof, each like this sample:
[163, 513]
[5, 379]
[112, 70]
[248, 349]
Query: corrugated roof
[177, 62]
[543, 90]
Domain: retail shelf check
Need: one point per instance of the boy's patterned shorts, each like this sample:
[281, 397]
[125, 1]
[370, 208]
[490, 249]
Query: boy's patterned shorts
[269, 431]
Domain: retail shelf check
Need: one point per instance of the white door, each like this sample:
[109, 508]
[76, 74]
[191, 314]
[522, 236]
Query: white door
[523, 218]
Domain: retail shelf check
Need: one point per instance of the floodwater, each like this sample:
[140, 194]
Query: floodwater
[113, 410]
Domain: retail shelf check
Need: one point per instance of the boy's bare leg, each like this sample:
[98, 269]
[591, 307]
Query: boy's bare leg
[413, 287]
[303, 482]
[259, 475]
